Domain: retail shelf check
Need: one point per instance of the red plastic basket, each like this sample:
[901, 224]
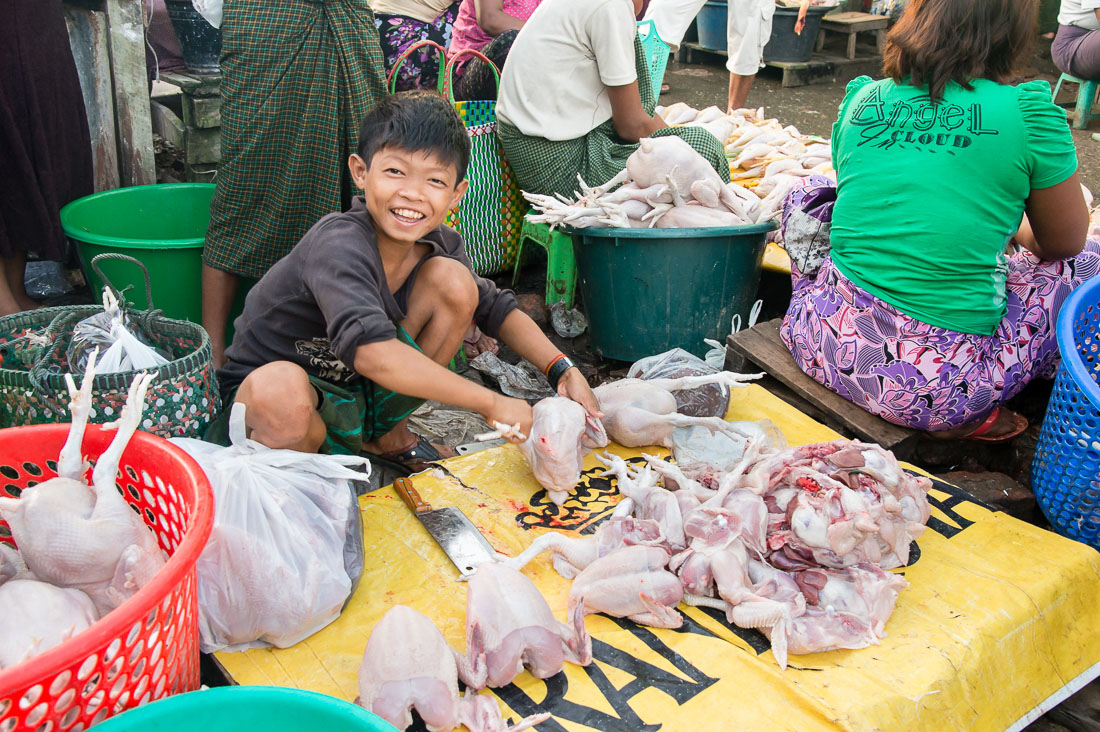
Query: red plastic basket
[149, 647]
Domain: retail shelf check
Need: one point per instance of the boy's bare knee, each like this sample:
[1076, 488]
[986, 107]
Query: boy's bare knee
[451, 282]
[279, 404]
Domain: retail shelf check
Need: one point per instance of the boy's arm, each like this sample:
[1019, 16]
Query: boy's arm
[401, 368]
[627, 115]
[521, 334]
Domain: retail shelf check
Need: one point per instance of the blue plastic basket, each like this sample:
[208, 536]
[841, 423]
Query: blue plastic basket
[656, 52]
[1065, 474]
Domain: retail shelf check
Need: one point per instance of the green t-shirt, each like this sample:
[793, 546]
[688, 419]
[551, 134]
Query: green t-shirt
[928, 195]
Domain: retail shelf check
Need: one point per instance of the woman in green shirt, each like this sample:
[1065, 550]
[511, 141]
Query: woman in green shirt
[935, 300]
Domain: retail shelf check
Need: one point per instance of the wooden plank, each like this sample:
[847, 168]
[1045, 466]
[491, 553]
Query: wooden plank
[202, 112]
[167, 124]
[762, 345]
[126, 41]
[197, 85]
[864, 21]
[88, 40]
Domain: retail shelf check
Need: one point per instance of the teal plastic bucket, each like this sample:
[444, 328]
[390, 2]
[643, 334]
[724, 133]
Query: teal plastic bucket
[163, 226]
[235, 708]
[648, 290]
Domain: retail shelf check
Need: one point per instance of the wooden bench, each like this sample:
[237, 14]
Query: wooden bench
[852, 24]
[761, 345]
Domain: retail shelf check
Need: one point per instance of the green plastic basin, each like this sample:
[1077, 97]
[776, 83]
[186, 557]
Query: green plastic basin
[163, 226]
[235, 708]
[648, 290]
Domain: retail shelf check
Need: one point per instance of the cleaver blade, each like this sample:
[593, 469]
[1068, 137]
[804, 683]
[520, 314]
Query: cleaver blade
[455, 534]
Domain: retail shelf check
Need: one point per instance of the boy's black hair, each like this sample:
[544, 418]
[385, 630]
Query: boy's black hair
[416, 121]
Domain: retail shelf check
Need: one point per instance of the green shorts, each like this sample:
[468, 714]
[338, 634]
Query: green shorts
[353, 414]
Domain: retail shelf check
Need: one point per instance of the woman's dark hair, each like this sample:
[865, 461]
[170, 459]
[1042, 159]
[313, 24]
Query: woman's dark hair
[416, 121]
[938, 41]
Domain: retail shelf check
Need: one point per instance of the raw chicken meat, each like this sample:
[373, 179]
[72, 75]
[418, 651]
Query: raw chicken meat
[38, 616]
[87, 537]
[561, 433]
[638, 413]
[12, 564]
[510, 627]
[571, 554]
[644, 499]
[844, 609]
[408, 665]
[633, 583]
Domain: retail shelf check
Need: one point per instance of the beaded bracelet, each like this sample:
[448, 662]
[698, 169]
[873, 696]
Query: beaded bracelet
[557, 367]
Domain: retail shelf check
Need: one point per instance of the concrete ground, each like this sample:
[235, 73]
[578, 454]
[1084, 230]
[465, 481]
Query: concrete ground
[812, 108]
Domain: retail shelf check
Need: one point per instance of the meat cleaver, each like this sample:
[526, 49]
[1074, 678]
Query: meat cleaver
[450, 528]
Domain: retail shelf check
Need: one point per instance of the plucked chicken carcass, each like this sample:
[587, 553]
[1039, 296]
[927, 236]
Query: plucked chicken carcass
[644, 499]
[87, 537]
[510, 627]
[632, 582]
[639, 413]
[38, 616]
[561, 433]
[12, 564]
[571, 554]
[408, 665]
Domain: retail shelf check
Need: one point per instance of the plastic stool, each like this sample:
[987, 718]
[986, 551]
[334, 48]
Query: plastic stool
[1086, 95]
[561, 267]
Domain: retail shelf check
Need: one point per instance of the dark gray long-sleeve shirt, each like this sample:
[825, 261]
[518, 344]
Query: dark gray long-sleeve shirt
[329, 296]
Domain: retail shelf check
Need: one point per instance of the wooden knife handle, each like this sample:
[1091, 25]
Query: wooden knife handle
[412, 499]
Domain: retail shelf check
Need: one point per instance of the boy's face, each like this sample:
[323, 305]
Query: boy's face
[407, 193]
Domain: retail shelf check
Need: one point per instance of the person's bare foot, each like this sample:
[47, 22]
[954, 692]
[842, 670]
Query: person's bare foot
[476, 343]
[1006, 424]
[400, 440]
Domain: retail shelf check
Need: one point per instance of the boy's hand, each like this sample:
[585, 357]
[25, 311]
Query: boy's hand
[573, 385]
[507, 410]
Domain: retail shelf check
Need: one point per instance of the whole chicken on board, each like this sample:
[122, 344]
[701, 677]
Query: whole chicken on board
[639, 413]
[86, 537]
[561, 433]
[408, 665]
[571, 554]
[632, 582]
[509, 627]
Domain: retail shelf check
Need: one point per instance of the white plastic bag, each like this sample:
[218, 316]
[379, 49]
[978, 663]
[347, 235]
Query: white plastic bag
[711, 400]
[211, 10]
[287, 545]
[110, 331]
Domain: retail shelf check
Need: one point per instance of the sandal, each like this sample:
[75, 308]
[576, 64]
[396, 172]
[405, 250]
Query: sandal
[415, 459]
[665, 88]
[1020, 424]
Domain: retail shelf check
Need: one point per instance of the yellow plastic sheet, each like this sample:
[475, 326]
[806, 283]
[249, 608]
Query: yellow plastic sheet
[776, 259]
[1001, 619]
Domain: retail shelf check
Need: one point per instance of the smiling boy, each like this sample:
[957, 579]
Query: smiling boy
[345, 336]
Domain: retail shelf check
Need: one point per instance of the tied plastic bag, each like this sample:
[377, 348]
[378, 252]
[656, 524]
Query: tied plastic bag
[711, 400]
[211, 10]
[113, 333]
[697, 446]
[286, 550]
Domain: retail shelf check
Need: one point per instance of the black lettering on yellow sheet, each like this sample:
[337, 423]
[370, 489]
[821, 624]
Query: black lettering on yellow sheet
[645, 676]
[947, 506]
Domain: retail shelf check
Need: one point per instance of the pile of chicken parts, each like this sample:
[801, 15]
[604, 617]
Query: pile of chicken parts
[792, 541]
[667, 184]
[82, 550]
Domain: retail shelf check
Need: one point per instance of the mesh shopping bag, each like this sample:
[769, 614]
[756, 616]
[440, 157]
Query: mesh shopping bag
[490, 215]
